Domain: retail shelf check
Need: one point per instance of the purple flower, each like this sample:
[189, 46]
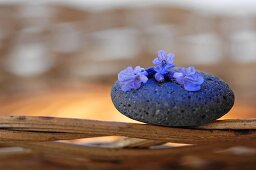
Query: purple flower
[189, 78]
[130, 78]
[164, 59]
[163, 64]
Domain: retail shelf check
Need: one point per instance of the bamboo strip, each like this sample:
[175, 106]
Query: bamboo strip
[12, 135]
[29, 128]
[229, 124]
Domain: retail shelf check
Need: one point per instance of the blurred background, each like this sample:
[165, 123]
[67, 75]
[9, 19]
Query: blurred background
[60, 58]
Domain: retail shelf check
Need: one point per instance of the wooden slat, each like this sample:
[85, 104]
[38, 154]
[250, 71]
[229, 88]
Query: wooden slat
[229, 124]
[10, 135]
[134, 143]
[35, 128]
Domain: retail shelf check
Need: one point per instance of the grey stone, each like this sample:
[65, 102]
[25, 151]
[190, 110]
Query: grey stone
[168, 104]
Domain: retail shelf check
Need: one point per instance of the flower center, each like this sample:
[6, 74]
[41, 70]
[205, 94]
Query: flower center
[138, 77]
[164, 62]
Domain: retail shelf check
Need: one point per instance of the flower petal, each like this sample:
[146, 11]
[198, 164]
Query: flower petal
[161, 55]
[126, 87]
[178, 75]
[143, 78]
[138, 69]
[191, 87]
[190, 70]
[159, 77]
[157, 62]
[170, 58]
[182, 70]
[168, 67]
[199, 79]
[180, 80]
[158, 69]
[125, 76]
[136, 84]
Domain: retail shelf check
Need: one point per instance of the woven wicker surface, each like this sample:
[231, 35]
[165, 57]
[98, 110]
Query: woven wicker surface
[34, 142]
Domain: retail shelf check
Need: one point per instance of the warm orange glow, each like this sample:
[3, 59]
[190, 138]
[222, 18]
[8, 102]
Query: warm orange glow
[90, 102]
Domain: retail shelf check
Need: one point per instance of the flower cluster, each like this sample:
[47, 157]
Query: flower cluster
[164, 69]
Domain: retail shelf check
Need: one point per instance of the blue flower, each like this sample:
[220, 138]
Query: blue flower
[164, 59]
[189, 78]
[130, 78]
[163, 64]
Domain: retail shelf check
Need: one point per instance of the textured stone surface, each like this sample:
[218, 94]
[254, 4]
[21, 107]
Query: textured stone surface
[168, 104]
